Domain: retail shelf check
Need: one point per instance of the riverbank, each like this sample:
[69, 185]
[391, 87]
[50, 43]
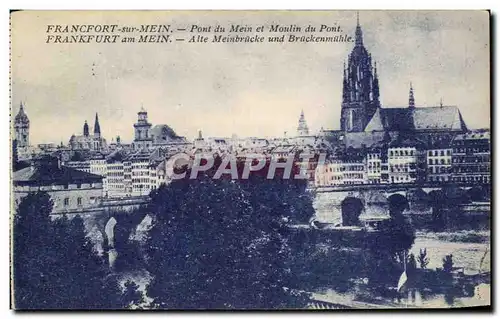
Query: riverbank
[464, 236]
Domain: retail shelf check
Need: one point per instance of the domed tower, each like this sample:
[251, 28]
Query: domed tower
[22, 128]
[143, 138]
[360, 93]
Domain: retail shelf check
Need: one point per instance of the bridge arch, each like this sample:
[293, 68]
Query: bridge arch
[109, 229]
[351, 209]
[397, 204]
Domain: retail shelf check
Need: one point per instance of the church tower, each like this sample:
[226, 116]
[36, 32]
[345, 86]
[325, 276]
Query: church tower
[411, 98]
[143, 138]
[85, 129]
[302, 129]
[97, 127]
[22, 128]
[360, 92]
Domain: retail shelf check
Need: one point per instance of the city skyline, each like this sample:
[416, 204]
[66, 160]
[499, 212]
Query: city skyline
[257, 93]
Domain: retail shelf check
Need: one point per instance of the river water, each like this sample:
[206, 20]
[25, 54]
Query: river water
[466, 255]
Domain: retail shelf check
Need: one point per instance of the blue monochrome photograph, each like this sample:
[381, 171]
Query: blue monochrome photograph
[250, 160]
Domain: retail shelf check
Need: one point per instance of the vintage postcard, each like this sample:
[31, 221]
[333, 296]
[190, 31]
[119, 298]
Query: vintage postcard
[240, 160]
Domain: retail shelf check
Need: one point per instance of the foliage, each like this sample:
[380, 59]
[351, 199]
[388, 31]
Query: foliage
[14, 154]
[423, 260]
[55, 266]
[411, 263]
[131, 296]
[448, 263]
[222, 244]
[465, 237]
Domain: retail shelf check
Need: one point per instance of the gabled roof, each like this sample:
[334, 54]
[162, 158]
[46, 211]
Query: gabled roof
[368, 139]
[53, 175]
[439, 117]
[421, 118]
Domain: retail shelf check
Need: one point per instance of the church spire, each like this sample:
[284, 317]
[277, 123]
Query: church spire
[411, 98]
[85, 129]
[360, 94]
[302, 129]
[345, 89]
[375, 85]
[21, 116]
[97, 127]
[359, 33]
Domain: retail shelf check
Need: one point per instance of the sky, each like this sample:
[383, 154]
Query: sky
[243, 89]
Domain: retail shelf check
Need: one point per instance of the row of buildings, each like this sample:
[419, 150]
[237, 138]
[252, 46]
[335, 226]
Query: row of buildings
[463, 160]
[375, 145]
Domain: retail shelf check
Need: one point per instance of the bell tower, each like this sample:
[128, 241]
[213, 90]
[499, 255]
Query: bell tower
[302, 129]
[360, 88]
[22, 128]
[143, 138]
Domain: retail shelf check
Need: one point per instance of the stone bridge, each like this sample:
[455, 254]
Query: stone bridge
[112, 223]
[373, 198]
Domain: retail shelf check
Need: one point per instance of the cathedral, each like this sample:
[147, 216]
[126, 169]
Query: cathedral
[89, 142]
[364, 122]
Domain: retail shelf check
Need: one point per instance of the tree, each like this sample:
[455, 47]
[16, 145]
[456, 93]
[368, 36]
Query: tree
[448, 263]
[411, 262]
[423, 260]
[395, 238]
[55, 266]
[437, 201]
[131, 296]
[221, 244]
[15, 157]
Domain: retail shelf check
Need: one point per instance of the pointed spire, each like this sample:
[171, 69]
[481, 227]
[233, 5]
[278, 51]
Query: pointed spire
[359, 33]
[302, 129]
[375, 85]
[97, 127]
[345, 86]
[85, 129]
[411, 98]
[21, 117]
[441, 102]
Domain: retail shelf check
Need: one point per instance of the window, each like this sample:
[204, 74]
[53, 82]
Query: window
[79, 201]
[66, 201]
